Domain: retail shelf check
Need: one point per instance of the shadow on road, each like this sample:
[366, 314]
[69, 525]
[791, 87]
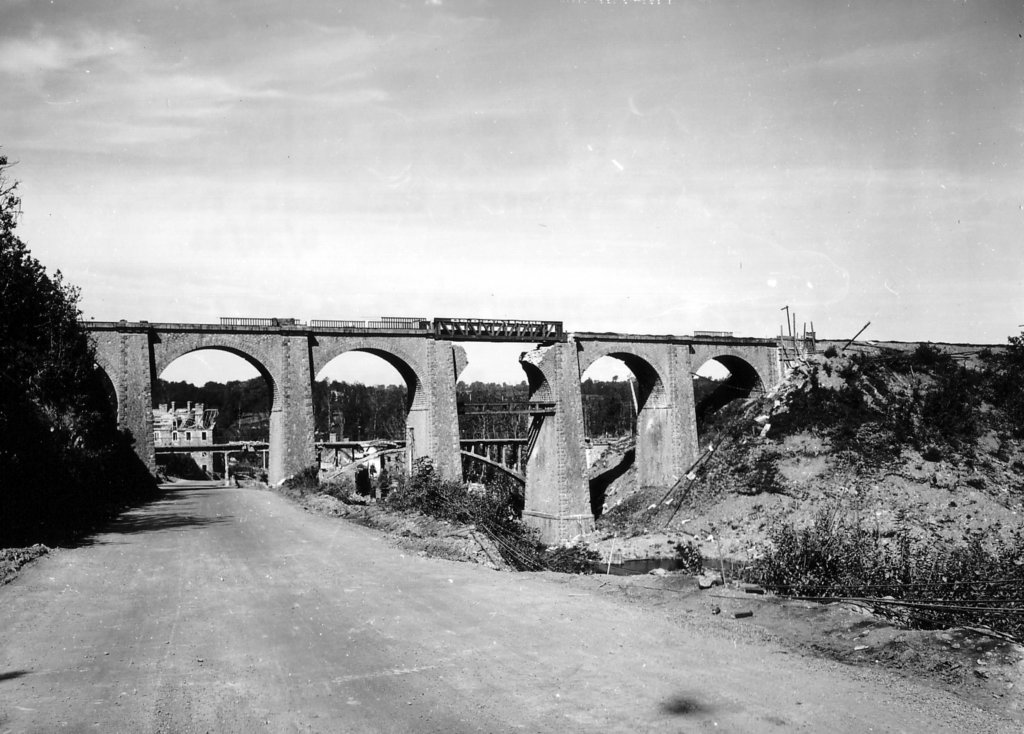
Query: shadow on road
[684, 706]
[12, 674]
[172, 510]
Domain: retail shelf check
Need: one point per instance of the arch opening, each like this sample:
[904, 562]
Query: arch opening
[363, 395]
[720, 381]
[205, 403]
[104, 394]
[493, 397]
[616, 389]
[362, 399]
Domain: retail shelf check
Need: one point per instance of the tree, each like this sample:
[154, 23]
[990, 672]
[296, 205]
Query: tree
[62, 461]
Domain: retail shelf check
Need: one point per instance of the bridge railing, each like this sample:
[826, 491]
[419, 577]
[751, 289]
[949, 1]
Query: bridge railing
[386, 323]
[253, 321]
[399, 325]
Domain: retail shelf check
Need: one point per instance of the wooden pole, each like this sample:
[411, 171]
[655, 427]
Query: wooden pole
[854, 337]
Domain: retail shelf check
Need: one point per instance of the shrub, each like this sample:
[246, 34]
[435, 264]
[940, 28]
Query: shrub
[307, 480]
[923, 583]
[572, 559]
[690, 558]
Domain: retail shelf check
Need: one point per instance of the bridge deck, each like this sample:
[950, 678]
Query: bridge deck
[450, 329]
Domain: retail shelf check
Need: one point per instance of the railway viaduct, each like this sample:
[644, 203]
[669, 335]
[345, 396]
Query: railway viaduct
[289, 354]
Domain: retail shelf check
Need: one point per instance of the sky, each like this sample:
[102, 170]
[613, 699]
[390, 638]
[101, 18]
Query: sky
[641, 167]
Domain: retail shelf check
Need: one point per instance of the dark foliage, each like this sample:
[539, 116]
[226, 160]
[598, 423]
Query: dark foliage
[359, 412]
[608, 408]
[63, 464]
[243, 405]
[307, 480]
[182, 466]
[922, 583]
[867, 417]
[1004, 374]
[510, 425]
[689, 556]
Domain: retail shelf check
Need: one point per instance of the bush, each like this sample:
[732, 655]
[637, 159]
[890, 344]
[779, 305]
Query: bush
[572, 559]
[307, 480]
[343, 489]
[690, 558]
[924, 583]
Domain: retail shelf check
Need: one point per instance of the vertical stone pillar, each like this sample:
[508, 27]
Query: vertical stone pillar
[292, 447]
[685, 448]
[666, 441]
[126, 357]
[436, 425]
[557, 500]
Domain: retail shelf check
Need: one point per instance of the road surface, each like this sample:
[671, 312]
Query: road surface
[231, 610]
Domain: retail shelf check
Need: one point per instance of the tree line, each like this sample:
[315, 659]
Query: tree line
[64, 466]
[359, 412]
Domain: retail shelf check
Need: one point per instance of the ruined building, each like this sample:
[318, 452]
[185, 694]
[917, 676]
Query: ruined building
[188, 426]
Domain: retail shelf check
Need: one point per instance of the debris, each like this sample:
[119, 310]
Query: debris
[708, 579]
[715, 609]
[658, 572]
[752, 588]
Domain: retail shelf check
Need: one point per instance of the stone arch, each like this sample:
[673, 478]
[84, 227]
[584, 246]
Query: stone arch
[651, 390]
[407, 366]
[106, 384]
[105, 373]
[744, 379]
[652, 400]
[538, 383]
[165, 358]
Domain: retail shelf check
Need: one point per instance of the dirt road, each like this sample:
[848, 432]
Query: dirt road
[231, 610]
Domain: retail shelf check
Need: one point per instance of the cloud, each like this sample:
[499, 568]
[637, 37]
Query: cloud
[48, 53]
